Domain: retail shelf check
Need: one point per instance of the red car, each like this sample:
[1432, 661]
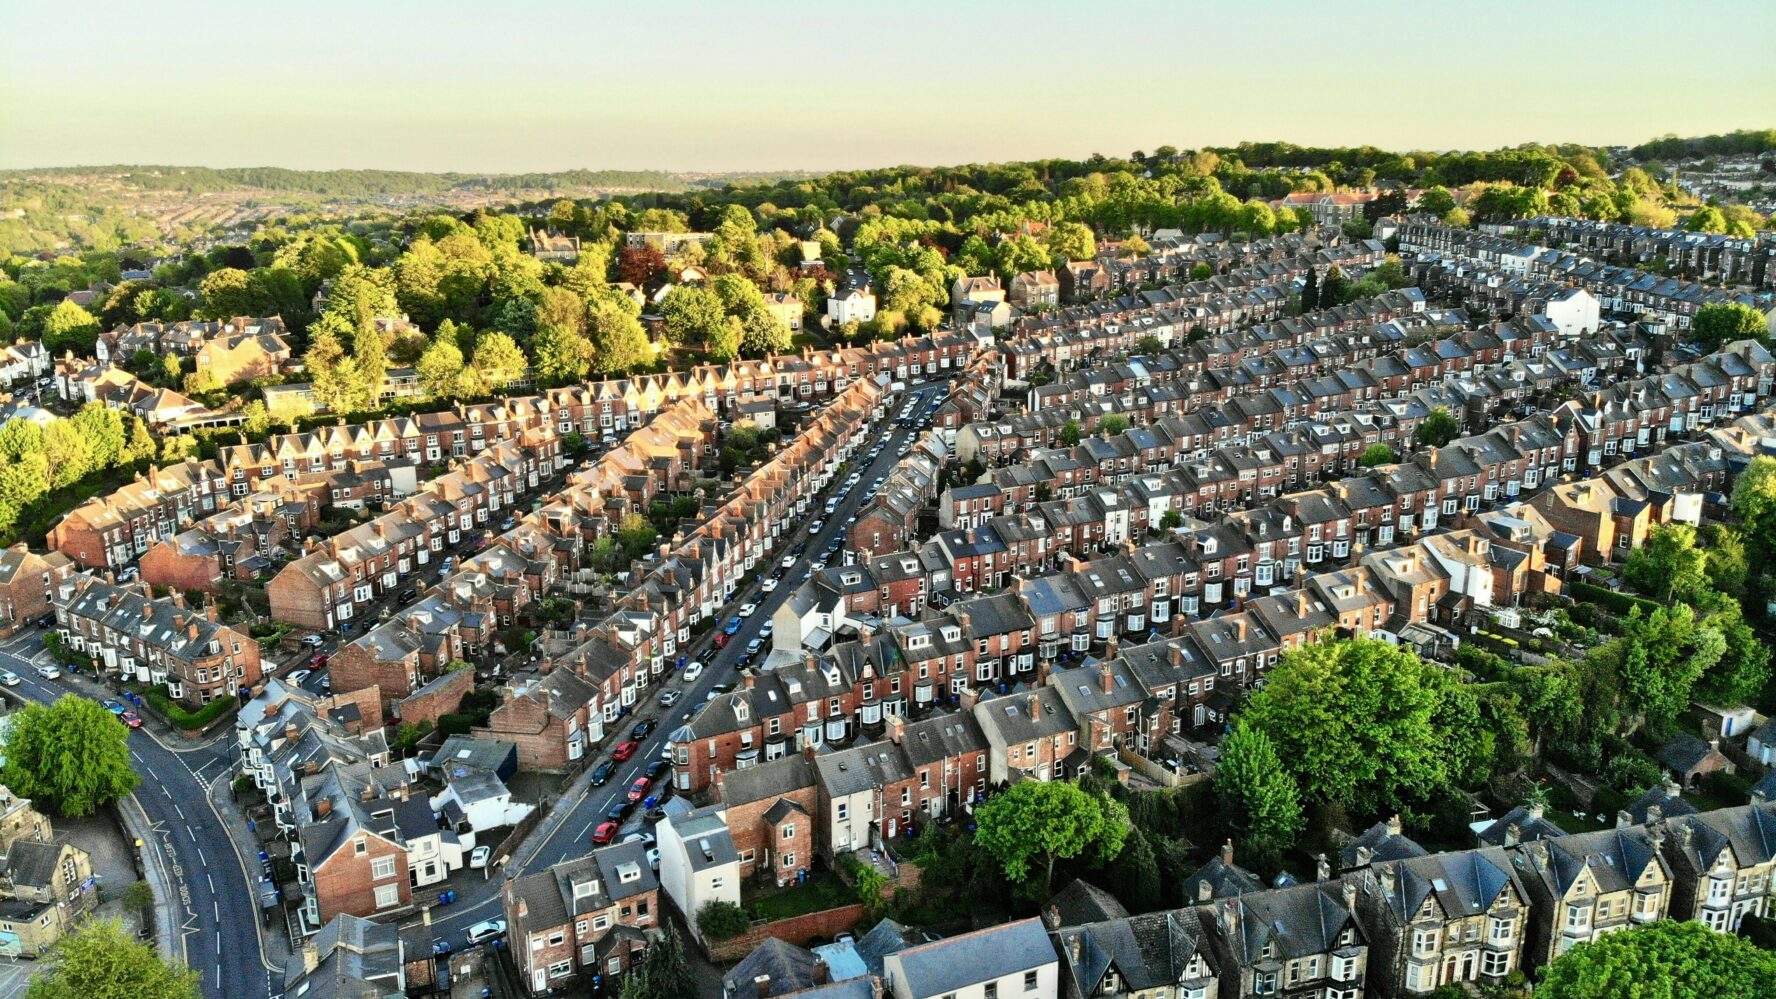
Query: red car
[721, 640]
[605, 832]
[131, 719]
[639, 789]
[318, 659]
[624, 751]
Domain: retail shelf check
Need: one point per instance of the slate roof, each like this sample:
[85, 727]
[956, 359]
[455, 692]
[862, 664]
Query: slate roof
[1079, 902]
[789, 969]
[952, 964]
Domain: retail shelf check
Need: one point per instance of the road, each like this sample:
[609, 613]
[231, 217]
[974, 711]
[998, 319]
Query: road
[220, 937]
[567, 832]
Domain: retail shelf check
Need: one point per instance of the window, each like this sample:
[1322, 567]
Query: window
[1578, 917]
[1500, 930]
[991, 990]
[359, 848]
[387, 895]
[1029, 981]
[382, 867]
[1495, 963]
[788, 830]
[561, 969]
[789, 860]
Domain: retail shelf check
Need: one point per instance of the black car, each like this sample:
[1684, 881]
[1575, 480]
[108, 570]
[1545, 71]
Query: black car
[408, 594]
[655, 769]
[46, 621]
[602, 775]
[641, 730]
[799, 550]
[618, 809]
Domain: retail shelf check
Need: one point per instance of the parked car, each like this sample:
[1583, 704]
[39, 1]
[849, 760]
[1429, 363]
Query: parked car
[721, 641]
[624, 750]
[313, 641]
[318, 660]
[605, 832]
[641, 730]
[655, 769]
[748, 610]
[732, 627]
[480, 856]
[787, 561]
[486, 930]
[670, 697]
[407, 595]
[765, 632]
[639, 789]
[816, 527]
[297, 676]
[131, 719]
[692, 672]
[617, 810]
[602, 775]
[46, 621]
[115, 707]
[49, 671]
[768, 585]
[753, 647]
[9, 678]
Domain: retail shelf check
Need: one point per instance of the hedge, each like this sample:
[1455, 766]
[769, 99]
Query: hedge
[1621, 604]
[176, 713]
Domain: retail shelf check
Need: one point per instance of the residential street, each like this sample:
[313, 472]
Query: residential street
[219, 935]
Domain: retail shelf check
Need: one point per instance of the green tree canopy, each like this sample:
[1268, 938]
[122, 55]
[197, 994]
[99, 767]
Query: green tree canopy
[1663, 960]
[692, 315]
[72, 756]
[1438, 428]
[99, 960]
[69, 327]
[1376, 454]
[664, 973]
[1035, 823]
[1719, 323]
[1670, 566]
[1368, 725]
[1257, 794]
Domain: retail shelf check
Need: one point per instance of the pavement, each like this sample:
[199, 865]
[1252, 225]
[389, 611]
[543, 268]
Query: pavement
[202, 887]
[565, 834]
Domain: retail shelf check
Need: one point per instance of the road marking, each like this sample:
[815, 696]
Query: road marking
[212, 882]
[190, 832]
[181, 811]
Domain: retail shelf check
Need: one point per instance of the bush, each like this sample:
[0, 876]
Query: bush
[178, 715]
[722, 921]
[1620, 604]
[1631, 772]
[456, 724]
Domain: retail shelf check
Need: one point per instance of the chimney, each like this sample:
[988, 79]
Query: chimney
[1052, 917]
[1363, 856]
[820, 972]
[209, 613]
[1513, 834]
[1534, 809]
[1239, 628]
[290, 732]
[1034, 705]
[896, 728]
[1227, 853]
[1074, 948]
[1349, 890]
[191, 630]
[311, 956]
[178, 598]
[1393, 825]
[762, 984]
[1204, 890]
[323, 808]
[1654, 813]
[1113, 647]
[1625, 818]
[1322, 867]
[1175, 654]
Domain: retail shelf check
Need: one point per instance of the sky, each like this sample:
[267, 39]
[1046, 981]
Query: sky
[522, 85]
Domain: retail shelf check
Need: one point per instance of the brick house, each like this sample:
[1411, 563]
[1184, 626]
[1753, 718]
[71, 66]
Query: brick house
[586, 919]
[28, 583]
[128, 632]
[553, 720]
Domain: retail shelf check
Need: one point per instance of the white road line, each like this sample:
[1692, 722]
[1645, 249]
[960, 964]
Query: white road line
[192, 833]
[218, 943]
[217, 908]
[211, 880]
[181, 811]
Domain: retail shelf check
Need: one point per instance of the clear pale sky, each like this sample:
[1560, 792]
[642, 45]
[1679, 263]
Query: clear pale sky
[512, 85]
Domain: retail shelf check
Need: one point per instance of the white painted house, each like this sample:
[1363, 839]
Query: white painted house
[1011, 961]
[1575, 310]
[698, 862]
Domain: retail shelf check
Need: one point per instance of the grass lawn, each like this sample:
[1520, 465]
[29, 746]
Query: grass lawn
[821, 891]
[1575, 823]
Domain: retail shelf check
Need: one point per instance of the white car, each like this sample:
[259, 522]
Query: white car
[486, 930]
[765, 632]
[479, 856]
[693, 671]
[298, 676]
[9, 678]
[313, 641]
[49, 672]
[768, 586]
[670, 697]
[788, 561]
[748, 610]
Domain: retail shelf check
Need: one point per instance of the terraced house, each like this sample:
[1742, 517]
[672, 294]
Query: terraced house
[130, 634]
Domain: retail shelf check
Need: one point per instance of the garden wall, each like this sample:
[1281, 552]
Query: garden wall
[796, 930]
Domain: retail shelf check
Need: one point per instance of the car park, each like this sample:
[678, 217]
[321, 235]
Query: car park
[602, 775]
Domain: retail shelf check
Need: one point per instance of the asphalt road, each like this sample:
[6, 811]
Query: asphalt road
[567, 832]
[220, 935]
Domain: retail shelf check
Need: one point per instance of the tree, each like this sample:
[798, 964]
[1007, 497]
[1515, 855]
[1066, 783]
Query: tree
[691, 314]
[1728, 567]
[614, 327]
[1113, 424]
[641, 265]
[71, 756]
[68, 452]
[721, 920]
[1457, 218]
[1364, 724]
[102, 429]
[663, 973]
[1039, 822]
[1257, 794]
[1333, 287]
[1437, 429]
[100, 961]
[561, 355]
[1376, 454]
[1070, 241]
[1664, 653]
[1662, 960]
[440, 366]
[724, 342]
[1719, 323]
[371, 364]
[1133, 877]
[497, 362]
[762, 334]
[1070, 432]
[1669, 566]
[69, 327]
[1310, 291]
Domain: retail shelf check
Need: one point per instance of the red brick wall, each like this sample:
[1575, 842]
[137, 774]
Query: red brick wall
[795, 930]
[162, 565]
[343, 883]
[296, 600]
[436, 700]
[525, 721]
[353, 668]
